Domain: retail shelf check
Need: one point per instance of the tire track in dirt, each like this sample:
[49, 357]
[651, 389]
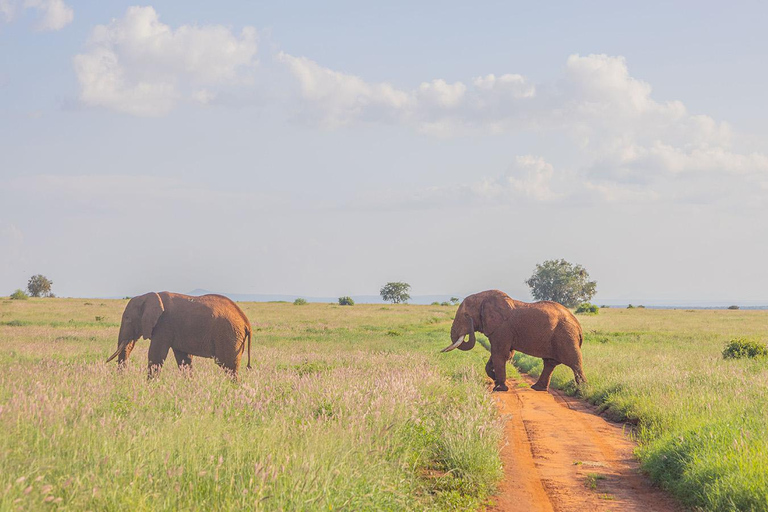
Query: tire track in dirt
[560, 456]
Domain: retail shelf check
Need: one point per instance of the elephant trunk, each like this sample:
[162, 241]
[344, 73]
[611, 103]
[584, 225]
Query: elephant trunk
[470, 344]
[457, 343]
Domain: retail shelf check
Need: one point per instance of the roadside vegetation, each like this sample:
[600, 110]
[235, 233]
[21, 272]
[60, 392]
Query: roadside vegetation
[345, 408]
[696, 385]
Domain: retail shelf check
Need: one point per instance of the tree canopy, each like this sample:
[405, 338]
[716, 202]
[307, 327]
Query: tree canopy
[39, 286]
[563, 282]
[395, 292]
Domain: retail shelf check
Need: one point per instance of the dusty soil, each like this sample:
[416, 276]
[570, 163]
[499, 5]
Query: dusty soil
[559, 455]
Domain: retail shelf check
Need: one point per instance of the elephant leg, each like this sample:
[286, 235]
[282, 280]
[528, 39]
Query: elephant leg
[546, 374]
[489, 369]
[158, 351]
[499, 357]
[231, 367]
[183, 359]
[578, 375]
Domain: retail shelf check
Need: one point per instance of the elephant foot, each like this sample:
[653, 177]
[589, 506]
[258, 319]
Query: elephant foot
[500, 387]
[539, 387]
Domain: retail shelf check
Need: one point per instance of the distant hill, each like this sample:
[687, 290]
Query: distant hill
[362, 299]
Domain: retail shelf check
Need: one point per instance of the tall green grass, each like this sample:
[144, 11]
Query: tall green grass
[336, 414]
[702, 421]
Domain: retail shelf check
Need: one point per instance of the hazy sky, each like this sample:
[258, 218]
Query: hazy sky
[325, 148]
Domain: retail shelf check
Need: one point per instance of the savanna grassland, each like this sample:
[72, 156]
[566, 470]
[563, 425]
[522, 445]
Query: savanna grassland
[346, 408]
[354, 408]
[702, 421]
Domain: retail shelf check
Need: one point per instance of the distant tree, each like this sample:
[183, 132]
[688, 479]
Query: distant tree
[346, 301]
[19, 294]
[395, 292]
[454, 300]
[733, 307]
[563, 282]
[299, 302]
[39, 286]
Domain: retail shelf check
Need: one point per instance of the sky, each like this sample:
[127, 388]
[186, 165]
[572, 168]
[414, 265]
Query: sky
[326, 148]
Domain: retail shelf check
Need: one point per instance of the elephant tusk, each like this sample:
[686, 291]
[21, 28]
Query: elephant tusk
[455, 344]
[119, 348]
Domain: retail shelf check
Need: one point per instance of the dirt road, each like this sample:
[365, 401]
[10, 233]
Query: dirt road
[560, 456]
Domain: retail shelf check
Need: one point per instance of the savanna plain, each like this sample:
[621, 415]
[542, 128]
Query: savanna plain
[354, 408]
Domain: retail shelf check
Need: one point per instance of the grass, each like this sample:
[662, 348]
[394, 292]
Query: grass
[353, 408]
[346, 408]
[701, 420]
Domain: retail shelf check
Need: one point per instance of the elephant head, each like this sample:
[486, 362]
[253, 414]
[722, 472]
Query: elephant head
[139, 319]
[484, 312]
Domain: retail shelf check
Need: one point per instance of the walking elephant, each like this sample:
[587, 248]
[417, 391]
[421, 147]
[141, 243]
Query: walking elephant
[540, 329]
[206, 326]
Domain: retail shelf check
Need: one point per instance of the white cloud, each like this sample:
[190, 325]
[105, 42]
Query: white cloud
[141, 66]
[437, 106]
[530, 176]
[54, 14]
[625, 144]
[343, 97]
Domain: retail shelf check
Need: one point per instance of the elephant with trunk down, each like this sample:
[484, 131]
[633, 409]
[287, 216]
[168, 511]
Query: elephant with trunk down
[205, 326]
[540, 329]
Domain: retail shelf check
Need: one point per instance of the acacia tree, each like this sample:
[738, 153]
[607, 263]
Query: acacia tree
[563, 282]
[39, 286]
[395, 292]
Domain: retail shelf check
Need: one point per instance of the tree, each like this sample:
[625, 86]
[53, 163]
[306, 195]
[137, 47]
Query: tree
[454, 300]
[346, 301]
[39, 286]
[563, 282]
[395, 292]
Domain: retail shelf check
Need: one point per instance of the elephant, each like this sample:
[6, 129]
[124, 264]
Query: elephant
[541, 329]
[205, 326]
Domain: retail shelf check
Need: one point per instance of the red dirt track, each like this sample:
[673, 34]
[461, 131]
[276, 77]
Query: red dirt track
[560, 456]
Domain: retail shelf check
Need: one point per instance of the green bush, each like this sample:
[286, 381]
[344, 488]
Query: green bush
[435, 303]
[19, 294]
[299, 302]
[738, 348]
[587, 309]
[346, 301]
[630, 306]
[733, 307]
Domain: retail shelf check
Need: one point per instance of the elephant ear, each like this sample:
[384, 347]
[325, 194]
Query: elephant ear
[153, 308]
[493, 312]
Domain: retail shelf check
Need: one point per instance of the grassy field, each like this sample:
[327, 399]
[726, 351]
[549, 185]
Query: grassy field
[354, 408]
[702, 420]
[346, 408]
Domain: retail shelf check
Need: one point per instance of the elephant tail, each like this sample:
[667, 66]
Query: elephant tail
[248, 334]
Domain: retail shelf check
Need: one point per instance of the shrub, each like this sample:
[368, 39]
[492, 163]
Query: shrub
[19, 294]
[435, 303]
[445, 303]
[299, 302]
[733, 307]
[587, 309]
[738, 348]
[630, 306]
[346, 301]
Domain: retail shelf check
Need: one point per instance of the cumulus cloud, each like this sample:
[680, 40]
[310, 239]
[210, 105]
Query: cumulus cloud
[343, 97]
[53, 14]
[626, 145]
[141, 66]
[337, 98]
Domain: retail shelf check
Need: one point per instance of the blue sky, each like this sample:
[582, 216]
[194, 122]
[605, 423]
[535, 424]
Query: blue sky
[327, 149]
